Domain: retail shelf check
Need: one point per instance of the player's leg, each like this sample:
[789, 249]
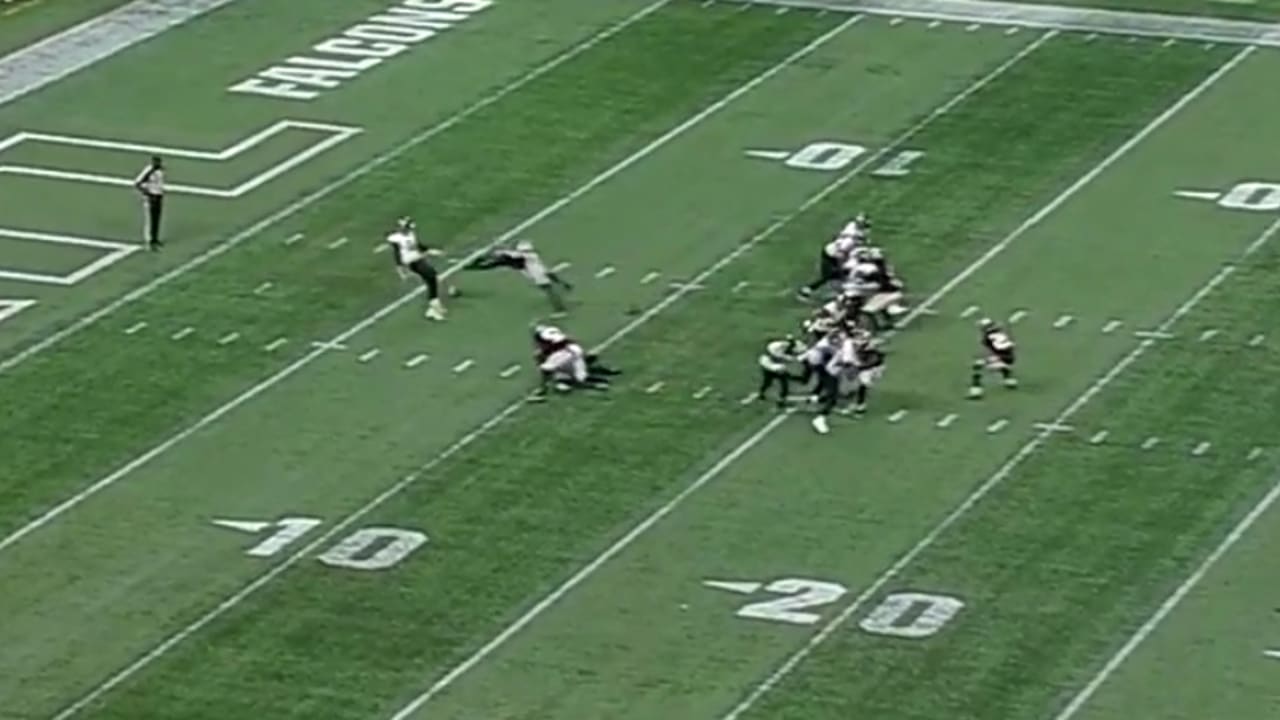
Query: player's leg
[828, 395]
[975, 378]
[431, 281]
[828, 270]
[553, 295]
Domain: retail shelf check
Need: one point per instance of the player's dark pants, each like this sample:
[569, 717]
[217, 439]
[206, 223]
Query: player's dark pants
[829, 271]
[155, 211]
[430, 277]
[828, 391]
[781, 377]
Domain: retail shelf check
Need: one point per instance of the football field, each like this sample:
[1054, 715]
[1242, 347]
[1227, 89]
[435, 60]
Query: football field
[243, 477]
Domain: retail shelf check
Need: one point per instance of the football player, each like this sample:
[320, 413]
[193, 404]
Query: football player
[816, 357]
[564, 363]
[843, 360]
[869, 366]
[836, 253]
[775, 367]
[884, 305]
[411, 258]
[524, 258]
[997, 355]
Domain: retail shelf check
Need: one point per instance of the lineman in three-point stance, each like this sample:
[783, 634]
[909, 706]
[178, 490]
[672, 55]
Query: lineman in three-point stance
[411, 259]
[997, 355]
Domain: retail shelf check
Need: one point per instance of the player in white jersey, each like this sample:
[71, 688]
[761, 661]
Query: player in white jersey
[524, 258]
[840, 364]
[411, 259]
[836, 253]
[564, 363]
[775, 367]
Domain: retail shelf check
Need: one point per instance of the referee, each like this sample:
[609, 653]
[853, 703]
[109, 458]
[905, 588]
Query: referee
[150, 183]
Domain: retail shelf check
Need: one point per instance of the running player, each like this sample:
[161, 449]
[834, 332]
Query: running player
[997, 355]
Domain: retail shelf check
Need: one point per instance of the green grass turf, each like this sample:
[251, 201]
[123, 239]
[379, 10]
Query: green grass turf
[503, 526]
[25, 21]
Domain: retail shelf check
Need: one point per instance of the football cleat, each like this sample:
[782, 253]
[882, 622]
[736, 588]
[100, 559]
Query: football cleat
[1011, 382]
[820, 424]
[975, 393]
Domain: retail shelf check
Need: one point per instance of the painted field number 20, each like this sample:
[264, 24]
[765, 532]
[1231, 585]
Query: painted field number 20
[370, 548]
[801, 601]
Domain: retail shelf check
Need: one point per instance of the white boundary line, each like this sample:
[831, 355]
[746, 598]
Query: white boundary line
[1171, 603]
[306, 201]
[276, 570]
[622, 543]
[1057, 17]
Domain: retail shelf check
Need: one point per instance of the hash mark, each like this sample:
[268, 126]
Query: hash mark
[381, 249]
[338, 243]
[655, 387]
[561, 267]
[293, 238]
[1201, 449]
[509, 371]
[946, 421]
[748, 399]
[1012, 31]
[969, 311]
[650, 277]
[1257, 340]
[1054, 427]
[263, 288]
[369, 355]
[135, 328]
[1208, 335]
[997, 426]
[740, 286]
[275, 344]
[416, 360]
[704, 391]
[1016, 316]
[1111, 327]
[1170, 42]
[1254, 454]
[328, 345]
[678, 285]
[1062, 322]
[934, 24]
[464, 366]
[184, 332]
[1091, 37]
[1098, 437]
[1150, 442]
[229, 338]
[896, 21]
[1153, 335]
[782, 10]
[606, 271]
[971, 27]
[897, 416]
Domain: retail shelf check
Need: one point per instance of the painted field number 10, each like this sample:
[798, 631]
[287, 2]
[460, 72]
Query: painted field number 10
[370, 548]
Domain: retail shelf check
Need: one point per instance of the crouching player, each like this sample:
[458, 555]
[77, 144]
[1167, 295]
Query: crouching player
[775, 367]
[563, 363]
[997, 356]
[526, 260]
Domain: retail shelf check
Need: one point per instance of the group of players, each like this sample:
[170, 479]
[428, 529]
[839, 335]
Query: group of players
[839, 353]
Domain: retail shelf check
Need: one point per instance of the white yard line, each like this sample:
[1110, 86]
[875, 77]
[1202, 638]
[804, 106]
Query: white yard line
[45, 62]
[1057, 17]
[466, 440]
[342, 182]
[1169, 605]
[288, 371]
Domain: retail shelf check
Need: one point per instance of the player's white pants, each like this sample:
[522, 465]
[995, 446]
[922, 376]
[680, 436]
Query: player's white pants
[880, 302]
[569, 362]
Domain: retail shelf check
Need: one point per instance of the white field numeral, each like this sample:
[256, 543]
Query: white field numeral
[801, 595]
[826, 156]
[1256, 196]
[289, 530]
[373, 548]
[911, 615]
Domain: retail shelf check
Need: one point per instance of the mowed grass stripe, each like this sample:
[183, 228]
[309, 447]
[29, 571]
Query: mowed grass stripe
[1059, 565]
[482, 176]
[503, 525]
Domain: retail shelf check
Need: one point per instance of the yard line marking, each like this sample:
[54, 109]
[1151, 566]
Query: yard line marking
[1208, 335]
[338, 243]
[704, 391]
[606, 271]
[650, 278]
[1257, 340]
[135, 328]
[897, 416]
[293, 238]
[997, 426]
[1201, 449]
[328, 345]
[1170, 604]
[1052, 427]
[1057, 17]
[370, 320]
[184, 332]
[416, 360]
[996, 479]
[1274, 654]
[1150, 443]
[340, 183]
[969, 311]
[464, 366]
[1153, 335]
[656, 387]
[1111, 327]
[1062, 322]
[509, 371]
[369, 355]
[263, 287]
[1016, 316]
[1099, 437]
[269, 347]
[229, 338]
[946, 421]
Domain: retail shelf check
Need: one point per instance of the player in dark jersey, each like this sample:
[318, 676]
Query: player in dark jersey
[563, 363]
[998, 355]
[524, 259]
